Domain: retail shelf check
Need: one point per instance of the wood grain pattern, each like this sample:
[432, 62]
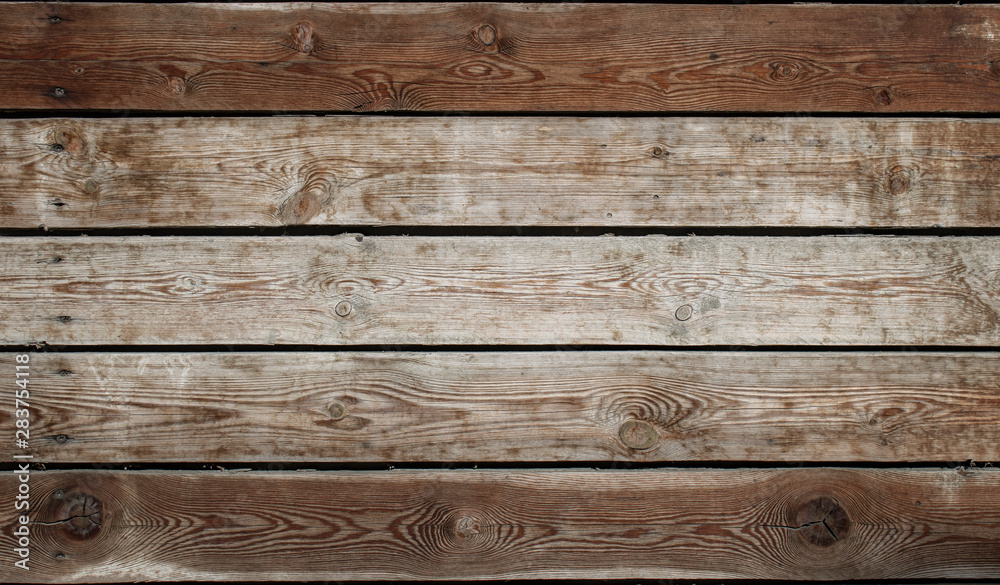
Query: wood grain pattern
[351, 289]
[512, 406]
[93, 526]
[500, 57]
[359, 170]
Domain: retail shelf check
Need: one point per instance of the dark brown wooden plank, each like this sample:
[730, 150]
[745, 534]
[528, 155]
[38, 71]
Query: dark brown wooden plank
[500, 57]
[93, 526]
[352, 289]
[546, 171]
[511, 406]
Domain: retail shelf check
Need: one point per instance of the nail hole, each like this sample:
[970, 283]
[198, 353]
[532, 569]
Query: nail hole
[55, 19]
[56, 147]
[58, 92]
[61, 439]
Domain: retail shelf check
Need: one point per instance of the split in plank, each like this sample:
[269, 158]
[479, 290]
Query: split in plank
[94, 526]
[352, 289]
[496, 407]
[500, 57]
[470, 171]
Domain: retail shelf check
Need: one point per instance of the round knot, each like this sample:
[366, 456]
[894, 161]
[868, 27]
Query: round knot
[783, 72]
[343, 308]
[822, 521]
[639, 435]
[486, 34]
[467, 527]
[337, 410]
[899, 181]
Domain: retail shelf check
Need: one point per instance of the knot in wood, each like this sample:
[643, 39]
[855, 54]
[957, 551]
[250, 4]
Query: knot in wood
[343, 308]
[302, 37]
[638, 435]
[67, 140]
[486, 34]
[467, 527]
[784, 72]
[337, 410]
[684, 312]
[883, 97]
[899, 181]
[822, 521]
[79, 514]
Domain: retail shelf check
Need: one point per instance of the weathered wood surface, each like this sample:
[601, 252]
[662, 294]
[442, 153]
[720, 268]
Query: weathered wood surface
[519, 406]
[500, 57]
[351, 289]
[354, 170]
[771, 524]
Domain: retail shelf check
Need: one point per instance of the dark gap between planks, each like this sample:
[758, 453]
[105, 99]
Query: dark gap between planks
[43, 347]
[967, 466]
[503, 231]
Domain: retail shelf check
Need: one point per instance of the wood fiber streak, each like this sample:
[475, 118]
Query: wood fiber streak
[729, 524]
[495, 407]
[500, 57]
[352, 170]
[351, 289]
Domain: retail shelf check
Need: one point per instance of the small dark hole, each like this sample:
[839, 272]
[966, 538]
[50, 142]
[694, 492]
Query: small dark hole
[65, 318]
[58, 203]
[55, 19]
[61, 439]
[359, 238]
[65, 373]
[56, 147]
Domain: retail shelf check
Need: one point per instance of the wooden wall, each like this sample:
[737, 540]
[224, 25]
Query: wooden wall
[451, 291]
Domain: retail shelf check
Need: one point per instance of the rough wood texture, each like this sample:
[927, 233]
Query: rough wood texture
[352, 170]
[773, 524]
[497, 57]
[352, 289]
[495, 407]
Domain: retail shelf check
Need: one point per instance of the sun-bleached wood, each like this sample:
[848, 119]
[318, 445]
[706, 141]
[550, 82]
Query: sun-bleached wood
[472, 171]
[500, 57]
[512, 406]
[353, 289]
[104, 526]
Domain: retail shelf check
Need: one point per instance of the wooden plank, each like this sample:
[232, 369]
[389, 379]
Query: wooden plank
[357, 170]
[92, 526]
[516, 406]
[500, 57]
[351, 289]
